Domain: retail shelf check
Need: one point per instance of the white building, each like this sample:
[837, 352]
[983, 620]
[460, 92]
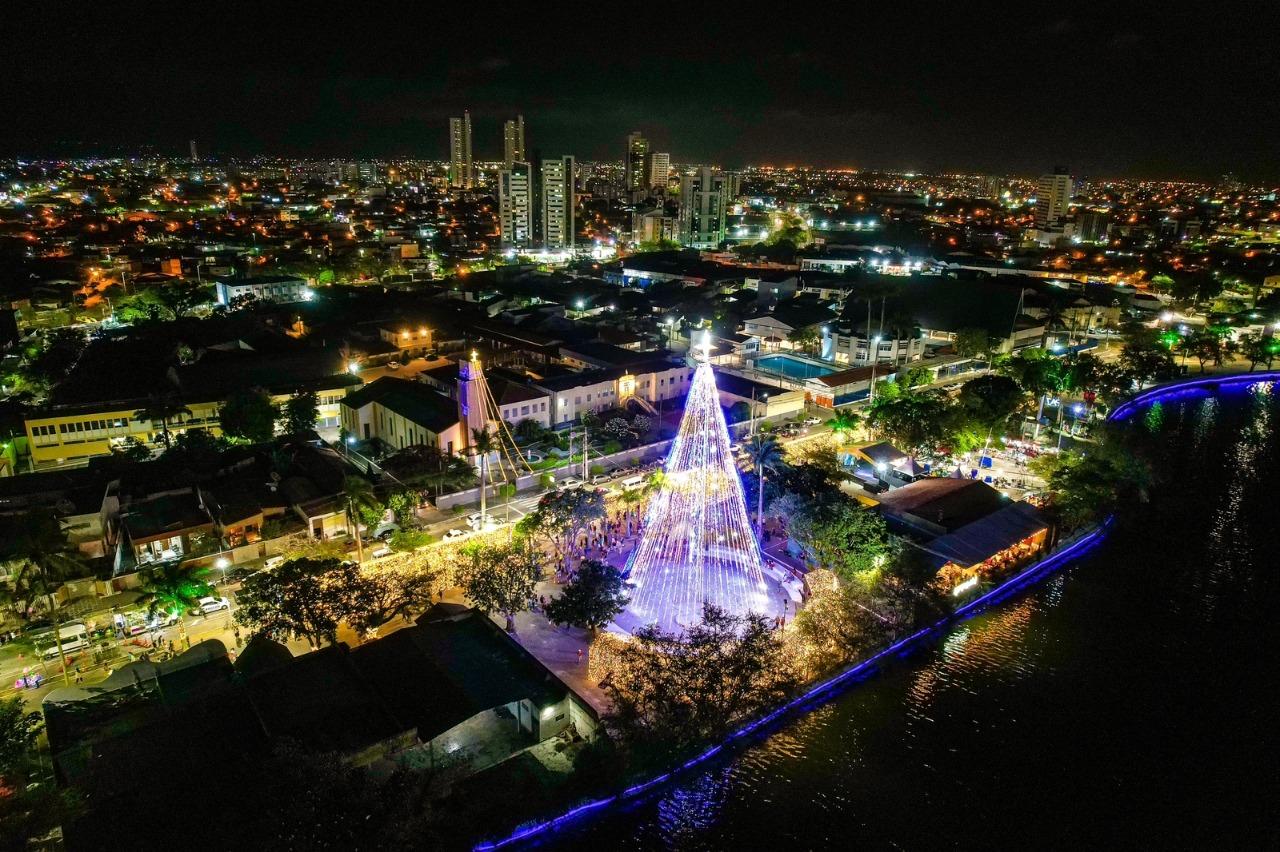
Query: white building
[654, 383]
[702, 209]
[268, 288]
[557, 203]
[513, 141]
[659, 169]
[853, 347]
[1053, 195]
[515, 205]
[460, 173]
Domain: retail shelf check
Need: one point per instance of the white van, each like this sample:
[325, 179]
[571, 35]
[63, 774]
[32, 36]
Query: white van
[631, 483]
[75, 637]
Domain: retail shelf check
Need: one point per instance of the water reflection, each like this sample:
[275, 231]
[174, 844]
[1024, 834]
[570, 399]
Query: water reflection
[1127, 703]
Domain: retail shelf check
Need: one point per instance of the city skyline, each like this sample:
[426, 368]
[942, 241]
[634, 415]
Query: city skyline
[1008, 93]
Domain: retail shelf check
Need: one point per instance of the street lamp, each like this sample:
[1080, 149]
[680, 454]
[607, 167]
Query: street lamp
[875, 346]
[222, 564]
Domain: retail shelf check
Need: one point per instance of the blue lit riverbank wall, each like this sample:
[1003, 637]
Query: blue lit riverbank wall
[1191, 387]
[1067, 553]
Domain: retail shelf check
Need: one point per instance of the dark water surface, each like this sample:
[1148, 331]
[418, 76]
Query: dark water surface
[1128, 702]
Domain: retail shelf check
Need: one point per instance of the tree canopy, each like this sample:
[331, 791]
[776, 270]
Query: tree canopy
[593, 598]
[499, 579]
[248, 414]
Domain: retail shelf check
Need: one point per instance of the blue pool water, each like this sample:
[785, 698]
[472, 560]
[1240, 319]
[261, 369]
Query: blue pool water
[792, 368]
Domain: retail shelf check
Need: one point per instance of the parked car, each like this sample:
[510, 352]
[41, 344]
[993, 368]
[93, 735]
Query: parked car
[394, 365]
[453, 534]
[385, 530]
[600, 479]
[812, 421]
[380, 552]
[273, 562]
[569, 482]
[473, 520]
[211, 605]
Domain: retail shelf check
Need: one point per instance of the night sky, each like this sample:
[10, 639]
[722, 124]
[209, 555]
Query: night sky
[1012, 88]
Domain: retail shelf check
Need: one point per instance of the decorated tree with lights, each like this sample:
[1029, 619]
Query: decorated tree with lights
[697, 545]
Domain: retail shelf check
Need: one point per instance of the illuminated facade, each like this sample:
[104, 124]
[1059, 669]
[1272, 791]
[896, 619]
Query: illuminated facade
[698, 544]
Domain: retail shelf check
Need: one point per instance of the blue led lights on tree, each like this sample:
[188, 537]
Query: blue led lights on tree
[697, 544]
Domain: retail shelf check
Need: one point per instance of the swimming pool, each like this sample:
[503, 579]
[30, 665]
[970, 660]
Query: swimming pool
[792, 367]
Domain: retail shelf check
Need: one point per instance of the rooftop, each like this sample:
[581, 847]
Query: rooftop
[946, 502]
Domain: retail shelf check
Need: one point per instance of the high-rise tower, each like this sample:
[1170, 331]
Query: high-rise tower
[1053, 195]
[557, 203]
[513, 141]
[460, 174]
[515, 205]
[637, 162]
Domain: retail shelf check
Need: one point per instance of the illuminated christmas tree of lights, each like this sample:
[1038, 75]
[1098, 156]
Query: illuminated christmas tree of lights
[697, 543]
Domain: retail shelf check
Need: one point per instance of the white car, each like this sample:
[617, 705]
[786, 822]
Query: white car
[812, 421]
[380, 552]
[570, 482]
[210, 605]
[600, 479]
[473, 520]
[454, 533]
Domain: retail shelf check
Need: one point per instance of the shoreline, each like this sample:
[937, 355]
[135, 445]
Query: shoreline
[1064, 553]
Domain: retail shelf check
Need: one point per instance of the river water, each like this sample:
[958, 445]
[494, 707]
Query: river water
[1130, 701]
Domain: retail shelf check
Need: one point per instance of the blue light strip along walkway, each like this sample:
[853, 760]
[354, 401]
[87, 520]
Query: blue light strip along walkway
[1174, 389]
[827, 688]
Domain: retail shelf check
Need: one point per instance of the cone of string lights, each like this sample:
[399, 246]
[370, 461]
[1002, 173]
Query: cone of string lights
[697, 545]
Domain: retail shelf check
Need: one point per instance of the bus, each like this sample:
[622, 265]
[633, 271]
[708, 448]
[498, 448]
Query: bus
[75, 637]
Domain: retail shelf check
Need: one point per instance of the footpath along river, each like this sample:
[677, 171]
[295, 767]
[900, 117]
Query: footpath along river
[1130, 701]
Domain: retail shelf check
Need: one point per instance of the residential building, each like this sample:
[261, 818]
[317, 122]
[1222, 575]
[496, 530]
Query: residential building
[513, 141]
[702, 209]
[990, 187]
[732, 186]
[654, 226]
[558, 224]
[460, 168]
[1092, 227]
[659, 169]
[1053, 195]
[636, 165]
[775, 326]
[851, 346]
[282, 289]
[651, 383]
[515, 204]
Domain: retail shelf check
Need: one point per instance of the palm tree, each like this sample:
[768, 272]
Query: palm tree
[37, 542]
[359, 495]
[483, 442]
[844, 424]
[765, 454]
[172, 587]
[164, 409]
